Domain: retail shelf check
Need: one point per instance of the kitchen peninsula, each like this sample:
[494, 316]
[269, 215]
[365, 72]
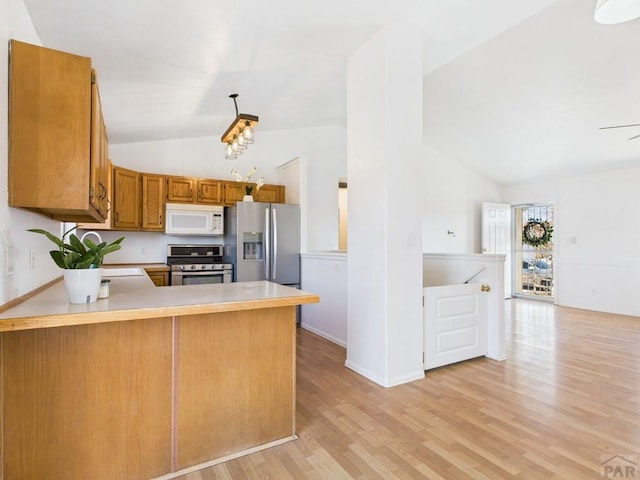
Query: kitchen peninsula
[151, 382]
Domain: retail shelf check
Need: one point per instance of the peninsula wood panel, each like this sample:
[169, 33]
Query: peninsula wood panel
[236, 382]
[97, 399]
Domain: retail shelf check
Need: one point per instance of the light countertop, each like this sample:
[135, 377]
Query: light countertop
[136, 297]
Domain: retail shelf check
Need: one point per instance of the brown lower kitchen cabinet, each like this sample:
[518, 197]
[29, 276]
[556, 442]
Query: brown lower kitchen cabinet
[159, 279]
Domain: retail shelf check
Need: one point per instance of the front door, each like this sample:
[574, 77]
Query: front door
[496, 236]
[533, 251]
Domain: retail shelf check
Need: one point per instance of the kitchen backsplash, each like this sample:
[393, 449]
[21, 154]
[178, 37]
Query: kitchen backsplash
[149, 247]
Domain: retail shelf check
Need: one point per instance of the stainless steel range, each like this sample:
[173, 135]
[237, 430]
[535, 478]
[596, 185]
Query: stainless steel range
[197, 264]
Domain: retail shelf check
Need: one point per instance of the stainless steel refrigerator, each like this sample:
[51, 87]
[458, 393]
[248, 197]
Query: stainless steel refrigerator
[262, 241]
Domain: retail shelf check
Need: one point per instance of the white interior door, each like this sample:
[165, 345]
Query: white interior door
[496, 236]
[455, 324]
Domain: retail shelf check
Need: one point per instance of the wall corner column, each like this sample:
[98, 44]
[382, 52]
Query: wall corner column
[384, 145]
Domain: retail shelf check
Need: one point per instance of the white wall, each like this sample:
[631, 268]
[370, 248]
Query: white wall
[326, 275]
[597, 237]
[452, 200]
[384, 143]
[15, 23]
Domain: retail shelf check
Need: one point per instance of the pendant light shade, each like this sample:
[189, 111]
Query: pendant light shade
[240, 132]
[616, 11]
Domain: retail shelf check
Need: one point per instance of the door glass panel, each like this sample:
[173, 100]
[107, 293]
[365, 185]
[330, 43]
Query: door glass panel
[534, 251]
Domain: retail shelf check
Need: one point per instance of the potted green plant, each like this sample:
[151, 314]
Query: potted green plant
[81, 259]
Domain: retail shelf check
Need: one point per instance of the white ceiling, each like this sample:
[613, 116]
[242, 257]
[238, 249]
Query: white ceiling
[517, 87]
[528, 103]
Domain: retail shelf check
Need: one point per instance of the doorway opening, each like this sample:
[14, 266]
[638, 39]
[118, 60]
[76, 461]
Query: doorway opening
[533, 271]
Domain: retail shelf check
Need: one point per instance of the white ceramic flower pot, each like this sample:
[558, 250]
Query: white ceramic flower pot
[247, 198]
[82, 284]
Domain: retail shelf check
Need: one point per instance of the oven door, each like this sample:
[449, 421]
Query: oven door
[200, 278]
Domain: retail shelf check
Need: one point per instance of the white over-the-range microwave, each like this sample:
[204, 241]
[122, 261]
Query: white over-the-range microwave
[187, 219]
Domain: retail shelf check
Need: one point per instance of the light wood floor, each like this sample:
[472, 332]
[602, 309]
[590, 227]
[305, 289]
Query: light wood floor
[568, 396]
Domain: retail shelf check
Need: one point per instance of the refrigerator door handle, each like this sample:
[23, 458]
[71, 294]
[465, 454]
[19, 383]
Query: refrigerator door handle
[266, 243]
[275, 244]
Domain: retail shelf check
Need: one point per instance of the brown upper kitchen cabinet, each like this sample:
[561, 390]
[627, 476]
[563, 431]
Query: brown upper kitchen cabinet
[194, 190]
[126, 199]
[180, 189]
[98, 194]
[57, 154]
[233, 193]
[270, 194]
[106, 225]
[153, 202]
[209, 191]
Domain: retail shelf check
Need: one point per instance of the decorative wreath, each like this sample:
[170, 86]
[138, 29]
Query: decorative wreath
[536, 233]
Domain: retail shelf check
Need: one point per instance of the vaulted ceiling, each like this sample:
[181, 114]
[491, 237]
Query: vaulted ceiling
[515, 89]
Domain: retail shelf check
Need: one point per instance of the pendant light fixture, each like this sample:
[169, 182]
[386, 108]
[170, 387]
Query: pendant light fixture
[616, 11]
[240, 132]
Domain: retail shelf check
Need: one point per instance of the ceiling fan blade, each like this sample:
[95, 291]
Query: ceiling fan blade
[621, 126]
[635, 136]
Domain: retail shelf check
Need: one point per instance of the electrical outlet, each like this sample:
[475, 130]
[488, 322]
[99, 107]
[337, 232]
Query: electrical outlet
[143, 251]
[32, 259]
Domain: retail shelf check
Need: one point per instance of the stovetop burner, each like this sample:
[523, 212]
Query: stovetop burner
[194, 257]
